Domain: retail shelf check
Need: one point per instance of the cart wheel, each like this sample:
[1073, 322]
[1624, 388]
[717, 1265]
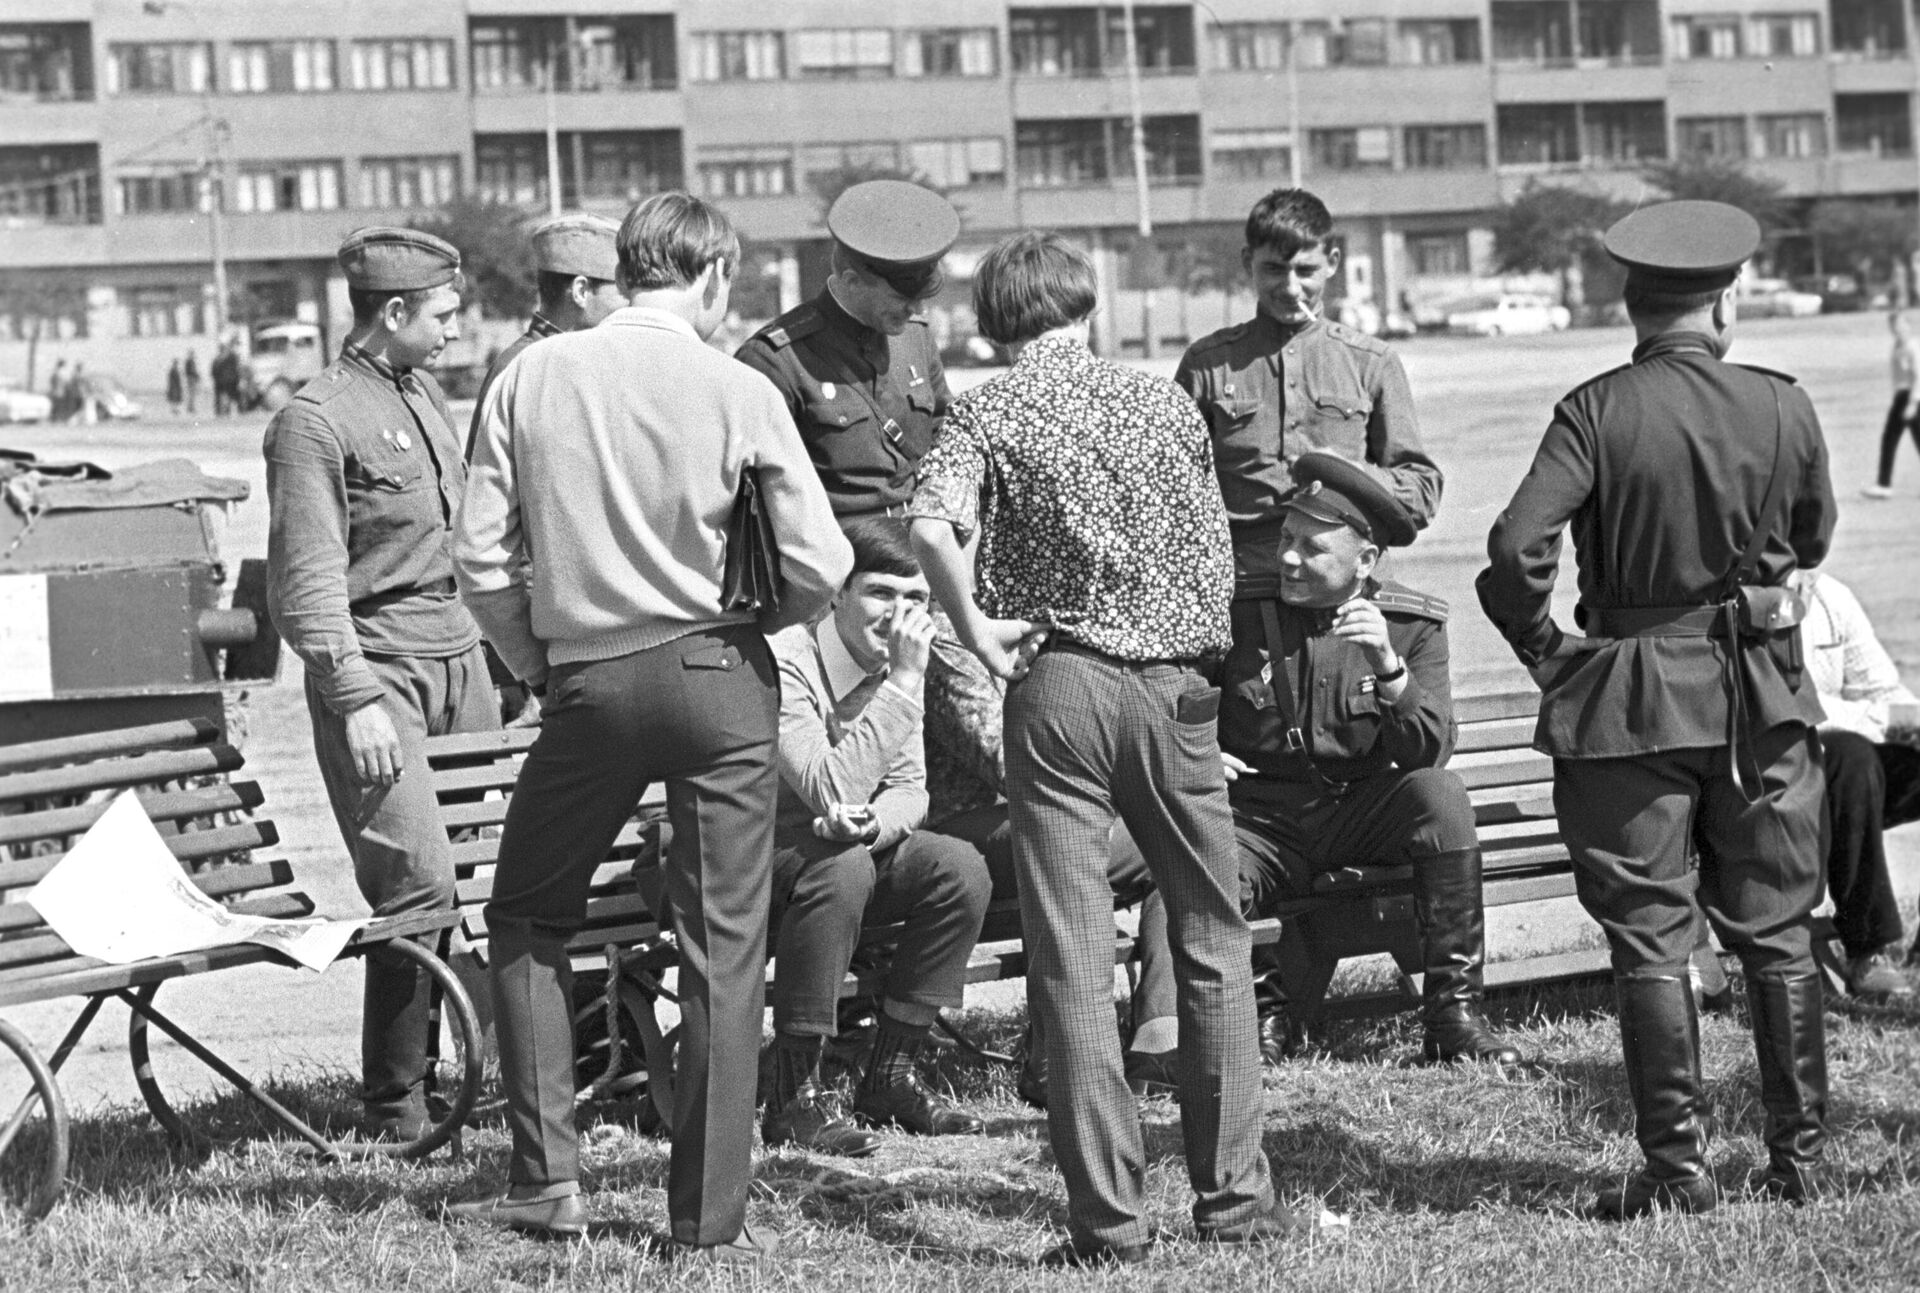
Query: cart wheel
[43, 1178]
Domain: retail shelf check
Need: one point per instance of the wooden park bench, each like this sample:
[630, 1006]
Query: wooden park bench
[50, 793]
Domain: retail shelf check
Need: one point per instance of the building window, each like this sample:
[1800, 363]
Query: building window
[843, 53]
[960, 163]
[401, 65]
[626, 165]
[736, 56]
[287, 186]
[1711, 136]
[1092, 40]
[280, 67]
[1247, 46]
[1624, 133]
[1434, 255]
[46, 61]
[1449, 40]
[1538, 134]
[50, 184]
[1878, 124]
[1355, 149]
[408, 181]
[1445, 148]
[820, 163]
[1716, 36]
[746, 172]
[1057, 154]
[1315, 45]
[950, 51]
[1250, 154]
[513, 56]
[1868, 28]
[166, 312]
[1795, 134]
[1617, 31]
[158, 191]
[1784, 35]
[1539, 32]
[635, 52]
[176, 67]
[1363, 42]
[510, 168]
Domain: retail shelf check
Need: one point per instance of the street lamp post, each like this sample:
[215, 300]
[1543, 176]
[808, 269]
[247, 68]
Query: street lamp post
[1142, 190]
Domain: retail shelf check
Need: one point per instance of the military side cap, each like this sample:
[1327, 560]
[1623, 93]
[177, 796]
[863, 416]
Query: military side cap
[1330, 488]
[898, 230]
[1681, 247]
[577, 244]
[381, 259]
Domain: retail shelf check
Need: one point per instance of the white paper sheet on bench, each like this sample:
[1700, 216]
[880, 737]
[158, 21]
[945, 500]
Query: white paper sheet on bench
[119, 896]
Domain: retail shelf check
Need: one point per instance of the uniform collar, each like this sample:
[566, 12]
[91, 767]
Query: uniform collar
[839, 319]
[372, 363]
[843, 673]
[542, 326]
[1675, 343]
[1268, 328]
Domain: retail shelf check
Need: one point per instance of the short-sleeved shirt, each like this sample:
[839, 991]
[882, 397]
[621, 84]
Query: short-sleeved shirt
[1271, 393]
[1093, 490]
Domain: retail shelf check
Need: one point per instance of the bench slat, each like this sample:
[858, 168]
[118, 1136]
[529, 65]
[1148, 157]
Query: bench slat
[50, 946]
[476, 890]
[475, 853]
[113, 774]
[461, 745]
[188, 846]
[1515, 768]
[1501, 734]
[1495, 706]
[160, 806]
[29, 755]
[221, 882]
[619, 906]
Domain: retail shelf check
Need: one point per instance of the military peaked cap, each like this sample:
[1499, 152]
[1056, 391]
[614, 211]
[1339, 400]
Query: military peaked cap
[1677, 248]
[898, 230]
[1330, 488]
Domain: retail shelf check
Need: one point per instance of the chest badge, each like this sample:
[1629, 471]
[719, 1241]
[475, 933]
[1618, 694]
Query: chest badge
[827, 390]
[918, 380]
[1227, 389]
[398, 439]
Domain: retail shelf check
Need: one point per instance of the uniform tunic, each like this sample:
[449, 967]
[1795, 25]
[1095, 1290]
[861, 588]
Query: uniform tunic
[1271, 393]
[540, 326]
[867, 404]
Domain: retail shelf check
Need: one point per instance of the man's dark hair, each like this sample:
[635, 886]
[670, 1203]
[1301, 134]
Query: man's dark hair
[882, 545]
[1649, 306]
[556, 290]
[670, 239]
[1030, 284]
[1289, 221]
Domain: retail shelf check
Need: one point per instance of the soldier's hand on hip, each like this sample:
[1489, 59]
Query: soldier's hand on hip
[374, 745]
[1360, 622]
[909, 643]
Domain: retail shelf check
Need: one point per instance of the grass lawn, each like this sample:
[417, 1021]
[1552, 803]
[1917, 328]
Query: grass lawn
[1449, 1178]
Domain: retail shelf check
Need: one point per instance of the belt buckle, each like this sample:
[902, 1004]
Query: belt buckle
[1296, 740]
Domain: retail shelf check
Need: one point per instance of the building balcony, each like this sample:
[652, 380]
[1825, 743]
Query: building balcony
[48, 121]
[1717, 87]
[524, 112]
[823, 112]
[35, 245]
[1102, 96]
[1882, 75]
[268, 235]
[1867, 175]
[1524, 83]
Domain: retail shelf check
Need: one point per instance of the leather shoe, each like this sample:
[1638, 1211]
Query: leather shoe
[1271, 1226]
[912, 1105]
[1647, 1193]
[557, 1209]
[806, 1122]
[1795, 1184]
[748, 1248]
[1031, 1086]
[1153, 1072]
[1277, 1041]
[1074, 1253]
[1459, 1032]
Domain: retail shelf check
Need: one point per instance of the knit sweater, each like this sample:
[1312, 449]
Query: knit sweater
[603, 477]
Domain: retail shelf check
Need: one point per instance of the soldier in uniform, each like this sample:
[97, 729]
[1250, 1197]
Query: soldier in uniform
[1686, 769]
[1336, 718]
[857, 367]
[364, 477]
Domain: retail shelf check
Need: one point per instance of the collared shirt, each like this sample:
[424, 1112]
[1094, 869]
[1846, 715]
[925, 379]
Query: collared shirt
[1093, 490]
[867, 404]
[1271, 393]
[364, 478]
[1856, 678]
[540, 327]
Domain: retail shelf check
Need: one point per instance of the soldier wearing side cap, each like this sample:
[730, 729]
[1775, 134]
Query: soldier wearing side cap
[1336, 718]
[857, 367]
[1686, 769]
[364, 478]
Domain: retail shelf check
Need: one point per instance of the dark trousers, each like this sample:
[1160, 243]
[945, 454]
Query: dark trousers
[700, 713]
[1088, 736]
[935, 886]
[1650, 832]
[401, 858]
[1897, 422]
[1869, 787]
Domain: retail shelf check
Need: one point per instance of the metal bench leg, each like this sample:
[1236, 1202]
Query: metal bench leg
[44, 1191]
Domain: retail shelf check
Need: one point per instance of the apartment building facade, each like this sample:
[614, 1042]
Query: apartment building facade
[121, 121]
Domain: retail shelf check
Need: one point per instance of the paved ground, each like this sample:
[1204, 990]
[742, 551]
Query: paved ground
[1483, 405]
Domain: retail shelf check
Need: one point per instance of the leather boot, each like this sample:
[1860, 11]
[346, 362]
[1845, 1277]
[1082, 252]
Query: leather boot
[1660, 1038]
[1789, 1035]
[1279, 1039]
[1446, 898]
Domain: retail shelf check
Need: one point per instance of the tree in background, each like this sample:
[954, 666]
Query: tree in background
[1723, 179]
[1552, 229]
[495, 252]
[828, 185]
[1873, 239]
[33, 300]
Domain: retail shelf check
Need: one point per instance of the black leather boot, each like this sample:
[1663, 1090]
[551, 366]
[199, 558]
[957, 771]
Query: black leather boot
[1279, 1038]
[1453, 936]
[1789, 1035]
[1660, 1038]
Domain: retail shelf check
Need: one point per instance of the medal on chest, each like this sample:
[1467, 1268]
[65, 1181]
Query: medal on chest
[398, 439]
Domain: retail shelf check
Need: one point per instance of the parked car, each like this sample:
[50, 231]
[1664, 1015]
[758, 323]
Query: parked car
[1509, 314]
[283, 357]
[109, 396]
[1775, 298]
[1841, 293]
[17, 405]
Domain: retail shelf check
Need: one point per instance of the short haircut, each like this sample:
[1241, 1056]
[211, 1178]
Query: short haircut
[1644, 303]
[368, 303]
[556, 289]
[1030, 284]
[670, 239]
[882, 545]
[1289, 221]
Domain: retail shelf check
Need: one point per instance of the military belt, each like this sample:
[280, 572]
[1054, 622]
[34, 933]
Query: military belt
[1658, 621]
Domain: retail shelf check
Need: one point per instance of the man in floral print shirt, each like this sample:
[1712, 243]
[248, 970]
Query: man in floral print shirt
[1104, 576]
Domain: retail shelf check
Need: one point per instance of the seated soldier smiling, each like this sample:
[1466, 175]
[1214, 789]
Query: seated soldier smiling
[848, 851]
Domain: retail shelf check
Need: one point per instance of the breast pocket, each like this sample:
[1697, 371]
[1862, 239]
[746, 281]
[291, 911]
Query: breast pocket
[387, 499]
[841, 413]
[1334, 411]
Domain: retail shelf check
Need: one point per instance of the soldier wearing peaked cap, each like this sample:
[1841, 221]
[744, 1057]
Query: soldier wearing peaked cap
[1681, 727]
[364, 476]
[858, 368]
[1336, 718]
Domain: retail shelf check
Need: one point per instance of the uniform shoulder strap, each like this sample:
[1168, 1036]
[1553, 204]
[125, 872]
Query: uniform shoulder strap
[803, 321]
[1403, 600]
[334, 381]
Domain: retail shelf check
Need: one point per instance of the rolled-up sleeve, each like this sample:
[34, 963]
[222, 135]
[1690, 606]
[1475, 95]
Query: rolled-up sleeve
[490, 560]
[950, 477]
[307, 557]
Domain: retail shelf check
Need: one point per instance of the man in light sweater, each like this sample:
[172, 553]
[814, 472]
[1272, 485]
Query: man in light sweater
[611, 458]
[848, 850]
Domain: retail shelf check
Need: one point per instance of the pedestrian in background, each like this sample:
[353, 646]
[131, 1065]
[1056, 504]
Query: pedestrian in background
[175, 395]
[226, 380]
[1900, 416]
[190, 381]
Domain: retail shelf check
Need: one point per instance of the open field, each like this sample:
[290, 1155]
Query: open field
[1452, 1180]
